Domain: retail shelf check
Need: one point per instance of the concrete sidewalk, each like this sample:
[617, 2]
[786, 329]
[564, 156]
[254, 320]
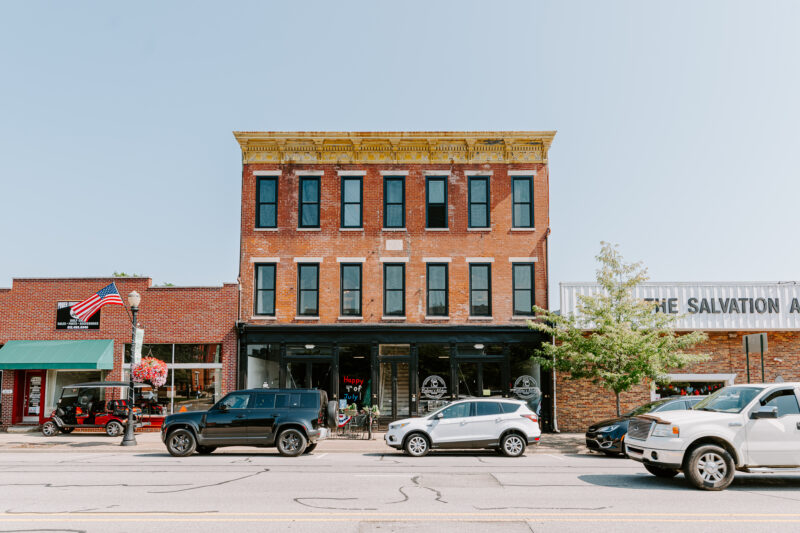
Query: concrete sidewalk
[555, 443]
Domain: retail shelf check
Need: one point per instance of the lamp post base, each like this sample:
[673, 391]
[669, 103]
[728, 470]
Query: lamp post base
[128, 442]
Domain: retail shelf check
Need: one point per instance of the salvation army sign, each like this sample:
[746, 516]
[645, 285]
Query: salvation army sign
[711, 306]
[66, 320]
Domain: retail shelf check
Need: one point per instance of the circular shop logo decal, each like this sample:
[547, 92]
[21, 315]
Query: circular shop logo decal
[526, 388]
[433, 388]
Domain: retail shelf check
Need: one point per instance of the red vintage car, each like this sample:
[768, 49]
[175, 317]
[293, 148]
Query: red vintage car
[84, 405]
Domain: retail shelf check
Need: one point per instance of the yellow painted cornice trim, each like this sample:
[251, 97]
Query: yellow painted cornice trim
[406, 147]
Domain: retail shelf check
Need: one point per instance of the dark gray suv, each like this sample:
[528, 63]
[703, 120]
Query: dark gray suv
[293, 420]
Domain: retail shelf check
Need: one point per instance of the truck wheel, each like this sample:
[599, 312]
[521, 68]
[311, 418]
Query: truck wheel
[417, 445]
[114, 429]
[659, 471]
[49, 428]
[310, 448]
[710, 467]
[181, 443]
[291, 443]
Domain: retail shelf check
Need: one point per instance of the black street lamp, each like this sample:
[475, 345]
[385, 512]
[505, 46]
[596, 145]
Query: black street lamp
[130, 439]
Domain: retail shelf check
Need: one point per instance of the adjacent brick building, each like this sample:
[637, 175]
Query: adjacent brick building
[192, 328]
[374, 265]
[726, 312]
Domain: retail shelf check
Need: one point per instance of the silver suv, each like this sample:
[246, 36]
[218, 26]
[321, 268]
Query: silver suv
[505, 425]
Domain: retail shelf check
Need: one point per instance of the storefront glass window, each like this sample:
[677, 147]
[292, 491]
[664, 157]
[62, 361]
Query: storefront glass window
[434, 377]
[263, 366]
[687, 388]
[193, 381]
[355, 385]
[526, 376]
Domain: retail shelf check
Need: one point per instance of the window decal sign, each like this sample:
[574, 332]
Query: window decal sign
[66, 320]
[526, 388]
[433, 388]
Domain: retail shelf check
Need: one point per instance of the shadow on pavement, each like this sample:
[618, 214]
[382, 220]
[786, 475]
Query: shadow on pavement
[648, 482]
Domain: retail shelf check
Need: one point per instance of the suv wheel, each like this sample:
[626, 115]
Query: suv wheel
[114, 429]
[417, 445]
[513, 445]
[660, 471]
[710, 467]
[181, 443]
[49, 428]
[291, 443]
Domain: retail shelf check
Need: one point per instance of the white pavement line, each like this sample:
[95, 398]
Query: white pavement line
[320, 456]
[555, 456]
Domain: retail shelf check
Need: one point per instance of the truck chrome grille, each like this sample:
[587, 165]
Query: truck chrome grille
[639, 428]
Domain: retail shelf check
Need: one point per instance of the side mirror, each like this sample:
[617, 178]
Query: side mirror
[765, 411]
[223, 407]
[440, 416]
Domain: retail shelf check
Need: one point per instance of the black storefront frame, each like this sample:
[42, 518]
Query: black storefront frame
[334, 336]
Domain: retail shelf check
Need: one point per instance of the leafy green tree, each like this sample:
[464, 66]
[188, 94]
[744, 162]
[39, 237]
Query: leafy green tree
[126, 275]
[615, 340]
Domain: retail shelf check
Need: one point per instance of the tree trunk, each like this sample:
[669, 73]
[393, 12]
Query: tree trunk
[617, 395]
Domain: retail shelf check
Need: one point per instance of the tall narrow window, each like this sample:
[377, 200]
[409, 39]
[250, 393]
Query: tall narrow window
[352, 197]
[394, 289]
[478, 202]
[523, 201]
[437, 289]
[351, 289]
[436, 202]
[267, 203]
[309, 202]
[480, 289]
[394, 202]
[523, 288]
[308, 289]
[265, 289]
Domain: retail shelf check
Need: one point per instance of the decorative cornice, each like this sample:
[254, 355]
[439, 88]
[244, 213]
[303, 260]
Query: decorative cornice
[395, 147]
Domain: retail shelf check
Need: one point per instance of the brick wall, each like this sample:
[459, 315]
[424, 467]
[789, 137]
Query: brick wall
[580, 403]
[458, 243]
[168, 315]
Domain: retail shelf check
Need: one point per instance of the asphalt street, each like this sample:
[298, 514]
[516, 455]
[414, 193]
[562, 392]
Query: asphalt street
[372, 490]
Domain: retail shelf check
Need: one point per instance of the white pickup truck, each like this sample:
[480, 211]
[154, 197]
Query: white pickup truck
[739, 427]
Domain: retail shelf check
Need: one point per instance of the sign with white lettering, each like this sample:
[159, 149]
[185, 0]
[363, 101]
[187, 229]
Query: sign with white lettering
[66, 320]
[711, 306]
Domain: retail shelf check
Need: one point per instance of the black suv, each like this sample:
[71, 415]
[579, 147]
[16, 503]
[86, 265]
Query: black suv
[293, 420]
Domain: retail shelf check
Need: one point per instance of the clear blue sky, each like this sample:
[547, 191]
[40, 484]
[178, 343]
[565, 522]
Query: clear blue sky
[677, 122]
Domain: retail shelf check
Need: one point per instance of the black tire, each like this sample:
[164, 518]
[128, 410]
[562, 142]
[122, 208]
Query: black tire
[181, 442]
[660, 471]
[66, 430]
[709, 467]
[205, 450]
[310, 448]
[513, 445]
[49, 429]
[332, 415]
[417, 445]
[114, 429]
[611, 454]
[291, 442]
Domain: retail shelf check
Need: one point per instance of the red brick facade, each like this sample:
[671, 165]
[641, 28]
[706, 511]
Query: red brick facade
[192, 315]
[581, 403]
[457, 242]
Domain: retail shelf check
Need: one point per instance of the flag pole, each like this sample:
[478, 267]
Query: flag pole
[127, 310]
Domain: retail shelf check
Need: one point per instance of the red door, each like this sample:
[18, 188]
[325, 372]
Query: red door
[33, 397]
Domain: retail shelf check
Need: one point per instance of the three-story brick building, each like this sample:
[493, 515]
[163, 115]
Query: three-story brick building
[394, 269]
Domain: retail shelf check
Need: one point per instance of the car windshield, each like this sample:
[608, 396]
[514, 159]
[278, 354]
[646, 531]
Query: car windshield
[646, 408]
[728, 399]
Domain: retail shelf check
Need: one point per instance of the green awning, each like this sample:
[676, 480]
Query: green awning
[73, 355]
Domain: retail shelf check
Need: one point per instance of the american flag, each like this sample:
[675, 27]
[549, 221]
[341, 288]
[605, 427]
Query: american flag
[108, 295]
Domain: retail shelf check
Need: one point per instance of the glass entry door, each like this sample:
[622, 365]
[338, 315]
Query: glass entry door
[394, 393]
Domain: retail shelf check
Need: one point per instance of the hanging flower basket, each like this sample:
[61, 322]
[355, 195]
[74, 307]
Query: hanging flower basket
[151, 371]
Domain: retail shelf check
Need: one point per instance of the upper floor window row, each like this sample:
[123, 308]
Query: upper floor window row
[394, 202]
